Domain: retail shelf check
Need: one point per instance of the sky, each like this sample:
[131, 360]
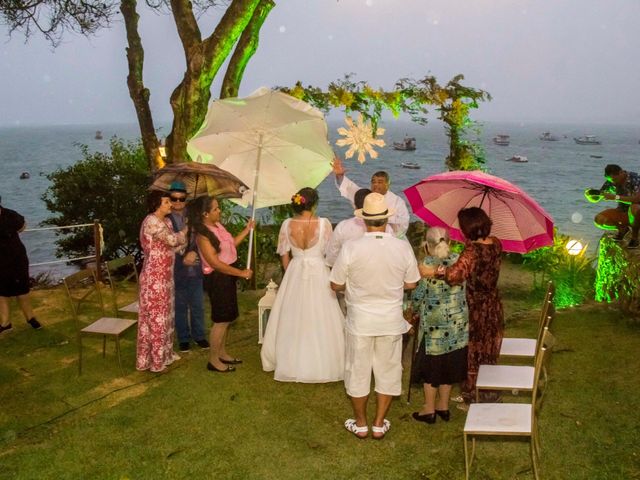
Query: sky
[554, 61]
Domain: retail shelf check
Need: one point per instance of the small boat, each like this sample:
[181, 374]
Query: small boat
[587, 140]
[408, 144]
[25, 175]
[518, 159]
[502, 140]
[595, 156]
[411, 165]
[548, 137]
[98, 135]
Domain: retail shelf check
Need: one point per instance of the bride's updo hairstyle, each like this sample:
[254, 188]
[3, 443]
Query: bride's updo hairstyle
[437, 242]
[305, 199]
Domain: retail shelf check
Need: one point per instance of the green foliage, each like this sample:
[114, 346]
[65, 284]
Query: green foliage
[453, 101]
[615, 275]
[573, 275]
[110, 188]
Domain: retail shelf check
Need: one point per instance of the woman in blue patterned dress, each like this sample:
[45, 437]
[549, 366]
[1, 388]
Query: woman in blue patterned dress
[441, 359]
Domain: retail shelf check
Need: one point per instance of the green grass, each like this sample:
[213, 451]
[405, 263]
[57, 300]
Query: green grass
[190, 423]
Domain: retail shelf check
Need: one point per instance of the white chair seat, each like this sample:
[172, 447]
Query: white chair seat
[133, 308]
[498, 418]
[109, 326]
[518, 347]
[505, 377]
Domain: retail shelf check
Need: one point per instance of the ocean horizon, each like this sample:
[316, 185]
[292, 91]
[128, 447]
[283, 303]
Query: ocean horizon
[556, 174]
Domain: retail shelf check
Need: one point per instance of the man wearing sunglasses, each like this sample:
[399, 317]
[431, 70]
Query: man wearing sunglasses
[188, 278]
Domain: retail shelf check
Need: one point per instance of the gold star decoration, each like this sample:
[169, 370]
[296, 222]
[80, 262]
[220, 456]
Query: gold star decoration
[359, 137]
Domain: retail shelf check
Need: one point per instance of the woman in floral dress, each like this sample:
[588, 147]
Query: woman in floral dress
[479, 266]
[156, 314]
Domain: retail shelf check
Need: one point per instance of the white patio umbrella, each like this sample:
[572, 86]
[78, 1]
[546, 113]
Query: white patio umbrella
[275, 143]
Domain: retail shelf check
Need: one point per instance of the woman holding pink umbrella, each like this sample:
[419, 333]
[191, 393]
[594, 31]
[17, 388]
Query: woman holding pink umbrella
[478, 266]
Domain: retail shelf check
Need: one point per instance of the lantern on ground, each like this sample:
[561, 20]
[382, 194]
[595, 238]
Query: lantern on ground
[264, 308]
[574, 247]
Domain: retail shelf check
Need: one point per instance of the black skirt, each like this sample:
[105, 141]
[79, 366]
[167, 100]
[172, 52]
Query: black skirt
[437, 370]
[223, 295]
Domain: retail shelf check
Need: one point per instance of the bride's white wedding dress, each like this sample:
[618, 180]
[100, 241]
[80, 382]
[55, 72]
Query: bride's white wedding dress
[304, 339]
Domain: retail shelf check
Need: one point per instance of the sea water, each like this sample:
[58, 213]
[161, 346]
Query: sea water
[556, 175]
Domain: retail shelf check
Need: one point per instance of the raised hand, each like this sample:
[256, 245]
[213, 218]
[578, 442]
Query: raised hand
[338, 167]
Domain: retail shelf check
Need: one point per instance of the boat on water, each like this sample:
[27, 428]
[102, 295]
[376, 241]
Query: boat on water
[502, 140]
[25, 175]
[98, 135]
[595, 156]
[518, 159]
[408, 144]
[411, 165]
[549, 137]
[587, 140]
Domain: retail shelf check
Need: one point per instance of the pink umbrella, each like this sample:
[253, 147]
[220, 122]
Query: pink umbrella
[518, 221]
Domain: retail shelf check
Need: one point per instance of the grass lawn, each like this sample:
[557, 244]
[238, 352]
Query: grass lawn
[191, 423]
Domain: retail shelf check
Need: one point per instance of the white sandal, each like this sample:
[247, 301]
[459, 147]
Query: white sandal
[386, 425]
[350, 424]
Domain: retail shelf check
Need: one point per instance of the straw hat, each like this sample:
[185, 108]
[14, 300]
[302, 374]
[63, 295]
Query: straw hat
[374, 208]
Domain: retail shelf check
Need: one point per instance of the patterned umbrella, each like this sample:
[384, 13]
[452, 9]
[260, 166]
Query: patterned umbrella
[200, 179]
[518, 221]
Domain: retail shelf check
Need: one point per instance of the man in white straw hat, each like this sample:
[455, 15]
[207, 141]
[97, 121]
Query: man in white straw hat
[374, 271]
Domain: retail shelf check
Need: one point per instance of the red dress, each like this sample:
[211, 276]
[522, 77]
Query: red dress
[479, 266]
[156, 313]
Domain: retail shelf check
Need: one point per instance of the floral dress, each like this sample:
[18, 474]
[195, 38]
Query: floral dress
[156, 314]
[479, 266]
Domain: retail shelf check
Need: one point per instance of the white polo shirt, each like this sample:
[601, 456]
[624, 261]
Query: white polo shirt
[349, 229]
[375, 269]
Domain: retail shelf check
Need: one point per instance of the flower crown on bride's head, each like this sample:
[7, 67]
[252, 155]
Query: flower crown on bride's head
[298, 199]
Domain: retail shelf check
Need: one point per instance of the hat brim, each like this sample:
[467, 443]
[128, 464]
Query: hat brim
[360, 214]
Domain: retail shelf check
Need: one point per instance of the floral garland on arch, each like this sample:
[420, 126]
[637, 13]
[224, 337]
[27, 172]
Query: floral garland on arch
[453, 102]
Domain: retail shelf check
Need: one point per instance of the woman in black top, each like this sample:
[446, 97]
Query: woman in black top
[14, 265]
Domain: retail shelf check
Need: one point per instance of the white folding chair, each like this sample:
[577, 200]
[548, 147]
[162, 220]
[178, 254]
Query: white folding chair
[506, 420]
[527, 347]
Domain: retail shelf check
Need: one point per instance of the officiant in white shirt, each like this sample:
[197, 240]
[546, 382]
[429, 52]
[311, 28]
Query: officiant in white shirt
[399, 221]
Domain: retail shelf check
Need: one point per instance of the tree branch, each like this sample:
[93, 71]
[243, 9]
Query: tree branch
[246, 47]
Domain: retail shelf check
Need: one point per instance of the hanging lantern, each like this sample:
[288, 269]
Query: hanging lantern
[264, 308]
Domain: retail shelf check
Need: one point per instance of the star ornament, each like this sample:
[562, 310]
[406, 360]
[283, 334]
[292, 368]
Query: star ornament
[359, 137]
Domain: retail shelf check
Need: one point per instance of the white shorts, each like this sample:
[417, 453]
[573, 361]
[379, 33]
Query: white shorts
[381, 355]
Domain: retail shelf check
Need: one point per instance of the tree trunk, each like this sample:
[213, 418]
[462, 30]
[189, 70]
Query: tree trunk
[246, 47]
[190, 99]
[137, 91]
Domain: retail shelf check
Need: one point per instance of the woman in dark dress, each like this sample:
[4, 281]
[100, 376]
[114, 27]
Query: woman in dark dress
[14, 268]
[479, 267]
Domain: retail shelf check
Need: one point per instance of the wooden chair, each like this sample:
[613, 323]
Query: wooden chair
[82, 287]
[527, 347]
[124, 266]
[506, 420]
[513, 377]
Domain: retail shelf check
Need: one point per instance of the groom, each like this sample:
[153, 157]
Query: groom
[374, 270]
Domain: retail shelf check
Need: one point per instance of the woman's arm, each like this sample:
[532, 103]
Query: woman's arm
[457, 273]
[245, 231]
[285, 259]
[210, 256]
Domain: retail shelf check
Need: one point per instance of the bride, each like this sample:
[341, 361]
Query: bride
[304, 339]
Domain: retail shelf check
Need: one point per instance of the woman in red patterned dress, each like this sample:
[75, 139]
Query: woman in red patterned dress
[156, 314]
[479, 267]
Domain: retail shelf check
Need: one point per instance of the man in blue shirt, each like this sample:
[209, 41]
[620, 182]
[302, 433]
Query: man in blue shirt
[187, 276]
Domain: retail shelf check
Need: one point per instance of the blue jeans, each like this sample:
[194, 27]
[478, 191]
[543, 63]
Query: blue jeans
[189, 297]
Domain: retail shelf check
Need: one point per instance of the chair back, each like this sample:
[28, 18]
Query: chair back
[120, 271]
[549, 297]
[81, 287]
[549, 315]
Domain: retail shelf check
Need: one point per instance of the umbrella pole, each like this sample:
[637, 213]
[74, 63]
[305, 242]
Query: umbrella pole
[254, 199]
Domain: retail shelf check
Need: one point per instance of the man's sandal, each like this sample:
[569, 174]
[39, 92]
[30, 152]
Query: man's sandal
[380, 432]
[359, 432]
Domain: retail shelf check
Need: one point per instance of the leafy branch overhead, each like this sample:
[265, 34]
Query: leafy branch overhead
[453, 102]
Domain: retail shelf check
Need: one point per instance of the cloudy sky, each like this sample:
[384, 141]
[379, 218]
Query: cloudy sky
[542, 60]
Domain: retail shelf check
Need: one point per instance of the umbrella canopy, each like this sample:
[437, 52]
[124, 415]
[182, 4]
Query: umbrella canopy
[518, 221]
[199, 179]
[268, 138]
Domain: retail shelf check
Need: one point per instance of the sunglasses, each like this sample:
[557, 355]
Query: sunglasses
[178, 199]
